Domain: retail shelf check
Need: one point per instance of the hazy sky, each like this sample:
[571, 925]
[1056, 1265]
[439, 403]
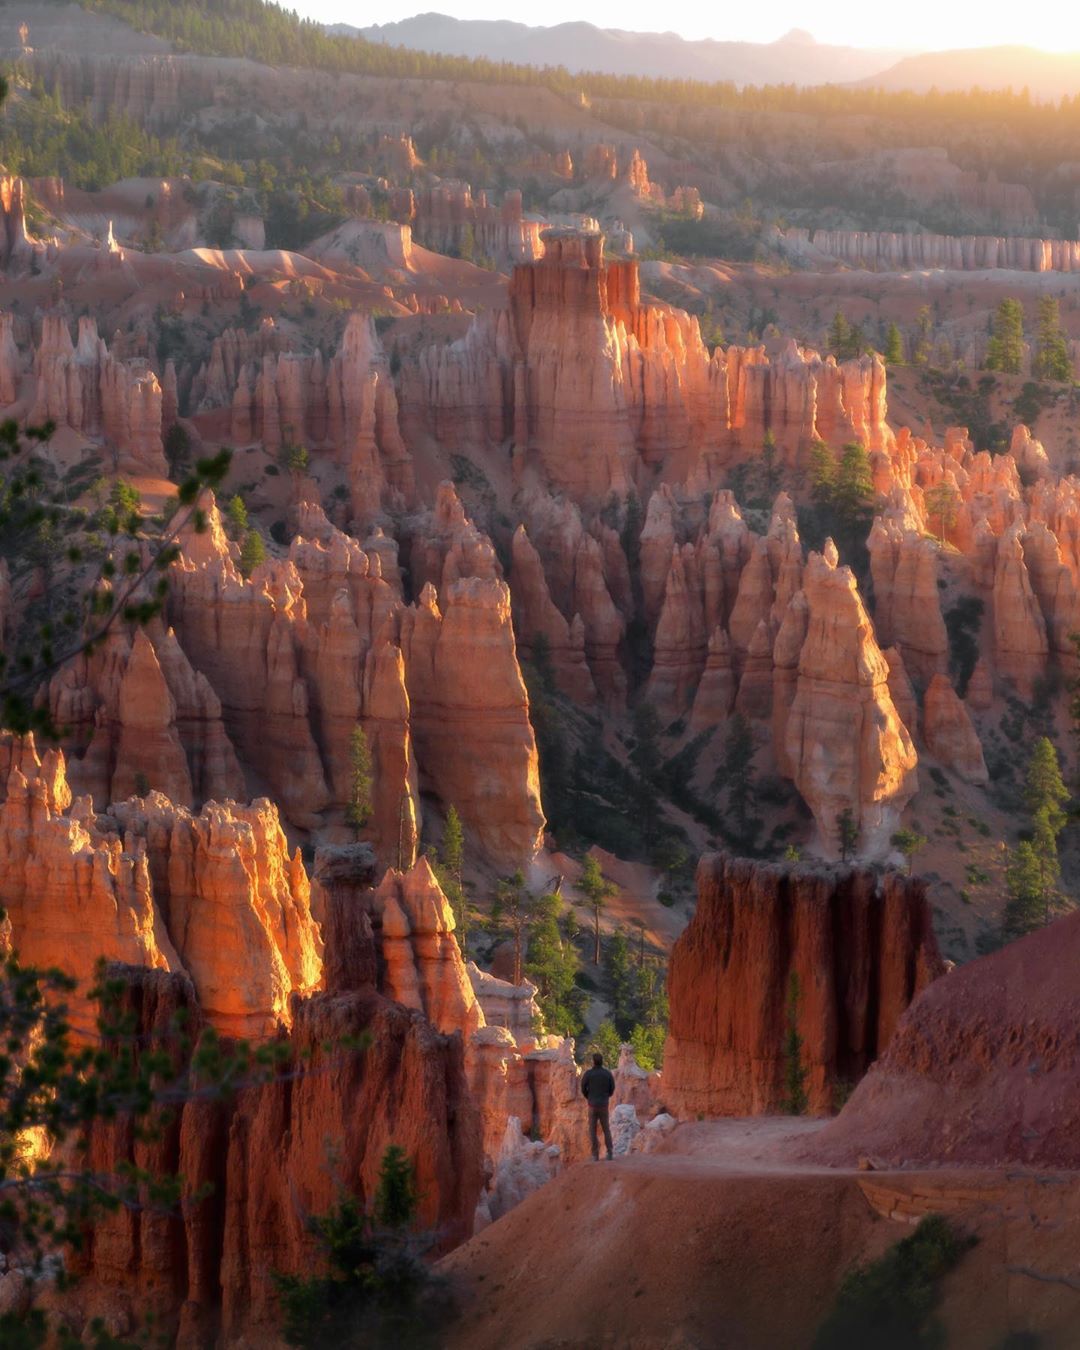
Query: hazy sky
[914, 25]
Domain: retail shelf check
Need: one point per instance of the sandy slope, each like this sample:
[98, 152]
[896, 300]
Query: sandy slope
[724, 1240]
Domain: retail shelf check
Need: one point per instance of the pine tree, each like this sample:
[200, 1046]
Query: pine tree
[552, 963]
[1051, 358]
[909, 842]
[1044, 788]
[822, 472]
[237, 516]
[1025, 909]
[451, 874]
[295, 458]
[852, 508]
[848, 833]
[453, 844]
[608, 1041]
[620, 983]
[924, 331]
[597, 890]
[853, 492]
[738, 776]
[396, 1196]
[1033, 869]
[894, 347]
[1005, 351]
[941, 504]
[177, 447]
[839, 339]
[252, 552]
[515, 907]
[358, 808]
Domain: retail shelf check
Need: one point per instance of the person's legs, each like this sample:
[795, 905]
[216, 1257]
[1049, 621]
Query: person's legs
[607, 1128]
[594, 1121]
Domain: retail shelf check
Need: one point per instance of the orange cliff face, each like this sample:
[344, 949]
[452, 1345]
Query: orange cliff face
[861, 947]
[210, 917]
[215, 897]
[437, 687]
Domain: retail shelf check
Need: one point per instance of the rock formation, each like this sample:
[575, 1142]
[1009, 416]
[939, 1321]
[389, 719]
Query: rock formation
[85, 387]
[210, 1273]
[883, 251]
[846, 746]
[137, 716]
[215, 897]
[949, 734]
[435, 687]
[448, 218]
[861, 947]
[590, 384]
[907, 610]
[1020, 642]
[469, 714]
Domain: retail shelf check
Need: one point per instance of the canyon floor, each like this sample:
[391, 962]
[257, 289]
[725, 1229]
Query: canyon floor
[730, 1237]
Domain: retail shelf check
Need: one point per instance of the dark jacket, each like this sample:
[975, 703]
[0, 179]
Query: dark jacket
[598, 1086]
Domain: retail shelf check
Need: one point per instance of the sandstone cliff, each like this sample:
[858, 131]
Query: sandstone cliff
[215, 897]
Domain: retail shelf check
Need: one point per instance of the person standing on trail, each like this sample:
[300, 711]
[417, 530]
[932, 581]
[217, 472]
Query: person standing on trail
[598, 1088]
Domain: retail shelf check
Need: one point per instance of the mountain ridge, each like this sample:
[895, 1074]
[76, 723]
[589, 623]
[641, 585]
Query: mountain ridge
[794, 58]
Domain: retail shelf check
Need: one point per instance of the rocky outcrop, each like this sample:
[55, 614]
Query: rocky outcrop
[512, 1006]
[262, 1157]
[1021, 647]
[860, 946]
[449, 219]
[882, 251]
[907, 608]
[138, 717]
[591, 386]
[304, 650]
[715, 696]
[844, 742]
[422, 965]
[469, 714]
[85, 387]
[16, 250]
[215, 897]
[345, 405]
[949, 734]
[541, 627]
[680, 647]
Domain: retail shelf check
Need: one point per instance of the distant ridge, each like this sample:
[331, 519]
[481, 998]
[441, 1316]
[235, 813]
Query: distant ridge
[796, 58]
[1048, 75]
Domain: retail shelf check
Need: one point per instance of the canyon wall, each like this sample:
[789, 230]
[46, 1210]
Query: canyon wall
[884, 251]
[593, 387]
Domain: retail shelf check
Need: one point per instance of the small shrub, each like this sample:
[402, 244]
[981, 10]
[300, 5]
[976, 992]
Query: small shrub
[889, 1303]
